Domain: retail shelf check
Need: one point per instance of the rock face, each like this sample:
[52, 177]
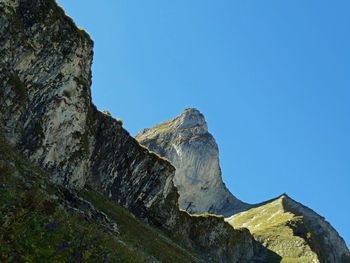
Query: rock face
[45, 78]
[187, 144]
[293, 231]
[47, 115]
[289, 230]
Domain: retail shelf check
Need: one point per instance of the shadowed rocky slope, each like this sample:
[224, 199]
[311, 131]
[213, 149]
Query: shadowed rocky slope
[36, 213]
[46, 114]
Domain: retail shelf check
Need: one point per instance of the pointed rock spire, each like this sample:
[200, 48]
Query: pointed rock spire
[186, 142]
[191, 118]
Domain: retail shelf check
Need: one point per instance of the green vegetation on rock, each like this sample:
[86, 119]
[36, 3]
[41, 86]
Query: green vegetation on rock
[138, 234]
[274, 227]
[80, 147]
[37, 225]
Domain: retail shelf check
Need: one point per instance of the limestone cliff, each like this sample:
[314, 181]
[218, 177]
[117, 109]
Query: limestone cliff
[45, 77]
[36, 213]
[46, 114]
[186, 142]
[292, 231]
[47, 118]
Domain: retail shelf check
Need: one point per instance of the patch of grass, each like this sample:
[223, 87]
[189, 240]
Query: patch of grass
[59, 14]
[276, 229]
[164, 127]
[153, 153]
[83, 33]
[207, 215]
[120, 121]
[36, 228]
[137, 233]
[106, 112]
[36, 225]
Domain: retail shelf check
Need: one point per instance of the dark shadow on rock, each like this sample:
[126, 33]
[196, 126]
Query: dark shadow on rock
[265, 255]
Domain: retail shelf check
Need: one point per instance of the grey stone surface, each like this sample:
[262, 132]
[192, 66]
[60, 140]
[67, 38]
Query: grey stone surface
[47, 115]
[187, 144]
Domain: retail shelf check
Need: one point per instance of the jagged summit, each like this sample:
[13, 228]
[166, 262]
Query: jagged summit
[186, 142]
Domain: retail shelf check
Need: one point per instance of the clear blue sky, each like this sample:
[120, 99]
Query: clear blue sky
[271, 77]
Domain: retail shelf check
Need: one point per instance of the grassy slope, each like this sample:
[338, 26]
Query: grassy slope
[35, 226]
[137, 233]
[276, 229]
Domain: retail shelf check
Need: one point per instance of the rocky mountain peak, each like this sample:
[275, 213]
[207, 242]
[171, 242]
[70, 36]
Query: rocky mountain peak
[186, 142]
[302, 232]
[192, 118]
[53, 139]
[47, 116]
[188, 124]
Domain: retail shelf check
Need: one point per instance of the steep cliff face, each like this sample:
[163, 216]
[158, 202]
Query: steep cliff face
[129, 174]
[293, 231]
[47, 115]
[45, 78]
[36, 213]
[186, 142]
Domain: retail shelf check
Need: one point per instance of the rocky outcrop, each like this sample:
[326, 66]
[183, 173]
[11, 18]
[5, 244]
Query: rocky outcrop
[293, 231]
[47, 115]
[129, 174]
[45, 72]
[286, 228]
[214, 233]
[187, 144]
[327, 243]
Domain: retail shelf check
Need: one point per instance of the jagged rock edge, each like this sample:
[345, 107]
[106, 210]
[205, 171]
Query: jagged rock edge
[75, 170]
